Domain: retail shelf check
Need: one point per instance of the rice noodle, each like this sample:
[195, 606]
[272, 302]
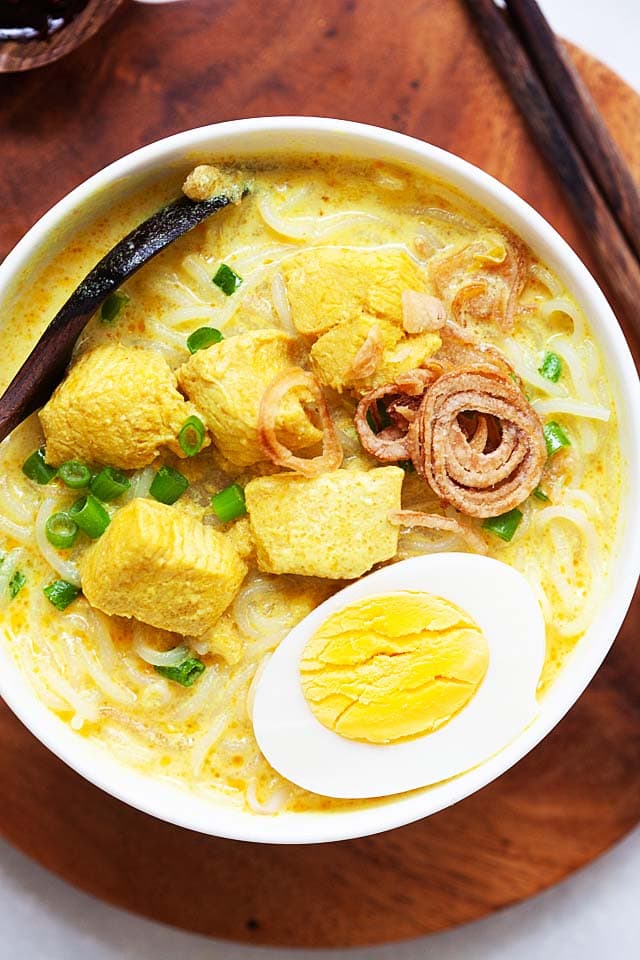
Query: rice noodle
[281, 302]
[275, 803]
[158, 658]
[10, 563]
[305, 229]
[20, 504]
[248, 617]
[575, 366]
[547, 279]
[449, 217]
[15, 531]
[434, 521]
[253, 686]
[575, 408]
[524, 367]
[564, 305]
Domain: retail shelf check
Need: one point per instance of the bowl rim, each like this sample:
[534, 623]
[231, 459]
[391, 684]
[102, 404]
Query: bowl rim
[331, 136]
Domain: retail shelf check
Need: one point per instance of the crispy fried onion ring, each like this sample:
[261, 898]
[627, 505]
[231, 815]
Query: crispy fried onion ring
[402, 400]
[435, 521]
[308, 386]
[490, 466]
[421, 312]
[369, 356]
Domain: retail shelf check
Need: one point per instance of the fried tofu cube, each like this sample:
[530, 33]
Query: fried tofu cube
[333, 355]
[334, 526]
[227, 382]
[163, 567]
[116, 406]
[330, 285]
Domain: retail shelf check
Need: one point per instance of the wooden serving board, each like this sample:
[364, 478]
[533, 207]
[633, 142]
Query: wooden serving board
[418, 68]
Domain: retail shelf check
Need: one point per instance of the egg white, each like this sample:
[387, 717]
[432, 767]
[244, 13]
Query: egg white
[504, 606]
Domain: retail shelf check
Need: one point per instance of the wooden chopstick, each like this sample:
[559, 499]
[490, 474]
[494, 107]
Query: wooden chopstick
[580, 116]
[619, 266]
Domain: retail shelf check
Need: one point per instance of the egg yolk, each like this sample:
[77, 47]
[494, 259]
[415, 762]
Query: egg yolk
[391, 667]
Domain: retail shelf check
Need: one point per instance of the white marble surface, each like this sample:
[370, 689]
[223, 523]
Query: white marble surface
[593, 915]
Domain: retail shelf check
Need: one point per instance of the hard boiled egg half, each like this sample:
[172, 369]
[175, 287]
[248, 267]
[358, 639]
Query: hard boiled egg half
[412, 675]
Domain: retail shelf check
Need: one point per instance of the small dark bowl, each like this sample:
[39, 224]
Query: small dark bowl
[16, 56]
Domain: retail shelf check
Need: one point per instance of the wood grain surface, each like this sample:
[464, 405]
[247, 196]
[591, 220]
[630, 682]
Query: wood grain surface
[417, 68]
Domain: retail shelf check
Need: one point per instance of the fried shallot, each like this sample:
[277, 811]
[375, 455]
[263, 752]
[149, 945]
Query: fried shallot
[309, 391]
[479, 474]
[401, 400]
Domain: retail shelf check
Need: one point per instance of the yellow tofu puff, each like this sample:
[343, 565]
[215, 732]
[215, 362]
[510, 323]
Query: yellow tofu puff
[364, 354]
[334, 526]
[329, 285]
[163, 567]
[227, 382]
[117, 406]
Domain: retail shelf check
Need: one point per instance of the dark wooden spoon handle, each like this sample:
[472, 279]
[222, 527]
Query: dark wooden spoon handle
[45, 366]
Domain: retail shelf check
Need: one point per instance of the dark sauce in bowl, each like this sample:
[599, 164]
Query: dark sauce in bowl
[25, 20]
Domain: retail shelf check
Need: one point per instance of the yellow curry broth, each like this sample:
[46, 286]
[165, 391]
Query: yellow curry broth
[201, 737]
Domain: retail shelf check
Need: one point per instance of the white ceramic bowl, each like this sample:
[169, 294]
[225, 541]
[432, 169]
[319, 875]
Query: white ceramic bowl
[246, 137]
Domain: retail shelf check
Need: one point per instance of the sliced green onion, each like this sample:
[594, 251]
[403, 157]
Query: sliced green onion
[16, 584]
[551, 367]
[191, 436]
[227, 279]
[555, 437]
[168, 485]
[505, 525]
[539, 494]
[61, 530]
[186, 673]
[109, 484]
[383, 420]
[90, 516]
[37, 469]
[203, 338]
[112, 306]
[74, 474]
[229, 504]
[61, 593]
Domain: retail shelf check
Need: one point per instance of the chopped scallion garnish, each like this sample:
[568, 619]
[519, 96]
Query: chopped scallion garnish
[109, 484]
[61, 530]
[191, 436]
[555, 437]
[16, 583]
[551, 367]
[112, 306]
[382, 418]
[539, 494]
[61, 593]
[186, 673]
[229, 504]
[37, 469]
[90, 516]
[227, 279]
[203, 338]
[168, 485]
[505, 525]
[74, 474]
